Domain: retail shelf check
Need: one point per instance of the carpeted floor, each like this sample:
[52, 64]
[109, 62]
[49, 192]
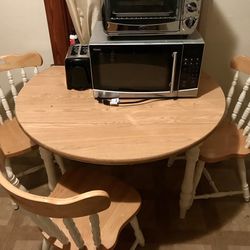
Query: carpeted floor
[215, 224]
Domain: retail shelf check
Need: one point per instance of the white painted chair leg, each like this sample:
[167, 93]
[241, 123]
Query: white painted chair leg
[138, 233]
[46, 245]
[210, 180]
[171, 161]
[243, 178]
[198, 173]
[173, 158]
[59, 161]
[47, 157]
[13, 180]
[186, 196]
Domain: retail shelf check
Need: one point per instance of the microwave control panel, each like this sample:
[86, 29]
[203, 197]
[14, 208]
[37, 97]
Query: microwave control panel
[191, 66]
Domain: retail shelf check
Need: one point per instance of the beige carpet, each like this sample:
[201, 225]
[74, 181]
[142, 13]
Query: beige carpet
[217, 224]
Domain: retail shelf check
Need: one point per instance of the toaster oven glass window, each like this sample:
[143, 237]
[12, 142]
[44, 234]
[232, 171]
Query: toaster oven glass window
[134, 68]
[140, 8]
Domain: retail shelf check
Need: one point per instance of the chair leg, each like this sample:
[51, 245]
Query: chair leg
[187, 187]
[60, 163]
[210, 180]
[171, 161]
[243, 178]
[138, 233]
[13, 180]
[47, 157]
[173, 158]
[198, 173]
[46, 245]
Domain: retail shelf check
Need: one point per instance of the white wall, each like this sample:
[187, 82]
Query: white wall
[225, 26]
[23, 27]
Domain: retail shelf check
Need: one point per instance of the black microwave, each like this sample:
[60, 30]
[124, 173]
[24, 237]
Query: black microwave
[149, 68]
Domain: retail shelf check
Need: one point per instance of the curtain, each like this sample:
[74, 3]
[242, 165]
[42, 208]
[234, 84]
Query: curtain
[84, 14]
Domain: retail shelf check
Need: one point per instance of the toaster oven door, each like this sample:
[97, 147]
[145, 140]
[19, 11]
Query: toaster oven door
[136, 68]
[142, 17]
[145, 8]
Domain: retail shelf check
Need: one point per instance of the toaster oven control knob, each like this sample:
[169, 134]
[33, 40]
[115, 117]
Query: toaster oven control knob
[192, 7]
[190, 22]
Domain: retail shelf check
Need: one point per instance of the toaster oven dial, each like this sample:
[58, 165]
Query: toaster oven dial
[192, 7]
[190, 22]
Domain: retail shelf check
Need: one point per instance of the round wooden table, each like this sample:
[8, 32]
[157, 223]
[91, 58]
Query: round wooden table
[73, 124]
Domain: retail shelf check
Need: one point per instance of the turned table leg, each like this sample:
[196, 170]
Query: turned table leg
[49, 164]
[186, 197]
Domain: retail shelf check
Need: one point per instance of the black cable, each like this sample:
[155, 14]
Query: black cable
[108, 101]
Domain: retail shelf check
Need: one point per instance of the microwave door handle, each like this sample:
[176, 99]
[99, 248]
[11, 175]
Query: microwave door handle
[174, 55]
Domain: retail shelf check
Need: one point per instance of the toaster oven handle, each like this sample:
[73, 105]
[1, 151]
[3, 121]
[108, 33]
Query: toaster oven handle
[174, 55]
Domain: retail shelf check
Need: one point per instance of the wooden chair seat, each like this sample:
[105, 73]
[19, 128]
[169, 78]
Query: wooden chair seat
[225, 142]
[13, 140]
[125, 203]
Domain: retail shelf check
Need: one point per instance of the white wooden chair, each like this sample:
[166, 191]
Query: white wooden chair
[13, 140]
[231, 138]
[86, 210]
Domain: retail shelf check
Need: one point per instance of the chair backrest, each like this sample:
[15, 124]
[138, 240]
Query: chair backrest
[241, 64]
[12, 62]
[41, 209]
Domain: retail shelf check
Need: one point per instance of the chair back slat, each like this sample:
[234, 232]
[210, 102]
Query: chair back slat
[24, 76]
[5, 105]
[244, 117]
[248, 141]
[1, 119]
[241, 99]
[246, 129]
[95, 227]
[36, 70]
[232, 88]
[12, 85]
[74, 232]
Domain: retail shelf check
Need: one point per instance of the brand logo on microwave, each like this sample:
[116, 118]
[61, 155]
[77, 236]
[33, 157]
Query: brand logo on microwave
[97, 49]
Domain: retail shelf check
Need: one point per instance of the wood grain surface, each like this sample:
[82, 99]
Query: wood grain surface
[73, 124]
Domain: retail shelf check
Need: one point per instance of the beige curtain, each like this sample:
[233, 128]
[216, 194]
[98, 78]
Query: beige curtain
[84, 14]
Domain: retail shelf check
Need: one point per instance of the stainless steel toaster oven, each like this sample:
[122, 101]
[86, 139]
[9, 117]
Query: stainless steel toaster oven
[150, 17]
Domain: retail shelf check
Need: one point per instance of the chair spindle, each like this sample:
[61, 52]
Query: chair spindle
[240, 100]
[5, 105]
[232, 88]
[74, 232]
[95, 227]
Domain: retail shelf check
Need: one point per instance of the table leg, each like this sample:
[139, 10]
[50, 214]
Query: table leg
[50, 167]
[186, 197]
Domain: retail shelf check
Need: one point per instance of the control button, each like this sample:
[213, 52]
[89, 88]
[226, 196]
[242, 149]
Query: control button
[74, 50]
[192, 7]
[190, 22]
[84, 50]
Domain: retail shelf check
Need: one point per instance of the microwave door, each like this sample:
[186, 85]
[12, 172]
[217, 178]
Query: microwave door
[137, 69]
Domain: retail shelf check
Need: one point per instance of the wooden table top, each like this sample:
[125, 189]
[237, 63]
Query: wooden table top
[73, 124]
